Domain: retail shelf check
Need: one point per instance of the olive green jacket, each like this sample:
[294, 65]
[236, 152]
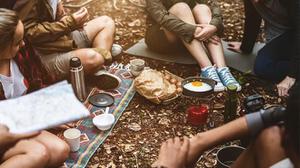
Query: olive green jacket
[158, 11]
[45, 34]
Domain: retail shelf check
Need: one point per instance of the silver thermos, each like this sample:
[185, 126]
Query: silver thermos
[77, 78]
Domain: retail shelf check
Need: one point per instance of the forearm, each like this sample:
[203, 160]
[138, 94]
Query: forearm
[49, 31]
[231, 131]
[251, 28]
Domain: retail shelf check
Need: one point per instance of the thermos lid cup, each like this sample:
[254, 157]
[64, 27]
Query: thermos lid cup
[75, 62]
[102, 100]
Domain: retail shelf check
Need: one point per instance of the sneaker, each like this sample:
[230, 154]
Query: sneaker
[106, 81]
[116, 50]
[227, 78]
[211, 73]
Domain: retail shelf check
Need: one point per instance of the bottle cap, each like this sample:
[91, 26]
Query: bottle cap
[232, 88]
[75, 62]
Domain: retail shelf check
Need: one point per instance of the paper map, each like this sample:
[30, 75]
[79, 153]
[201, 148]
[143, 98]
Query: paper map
[46, 108]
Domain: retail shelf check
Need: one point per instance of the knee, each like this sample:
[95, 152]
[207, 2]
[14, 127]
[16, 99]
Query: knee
[39, 154]
[180, 8]
[269, 137]
[261, 65]
[93, 59]
[63, 151]
[108, 21]
[203, 8]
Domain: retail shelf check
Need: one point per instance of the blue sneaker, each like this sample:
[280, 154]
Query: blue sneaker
[227, 78]
[211, 73]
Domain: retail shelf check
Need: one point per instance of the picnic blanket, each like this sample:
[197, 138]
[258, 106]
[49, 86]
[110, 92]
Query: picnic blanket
[240, 62]
[91, 138]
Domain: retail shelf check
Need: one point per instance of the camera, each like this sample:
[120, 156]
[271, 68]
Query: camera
[270, 116]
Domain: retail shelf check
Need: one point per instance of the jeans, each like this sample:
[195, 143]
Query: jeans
[273, 61]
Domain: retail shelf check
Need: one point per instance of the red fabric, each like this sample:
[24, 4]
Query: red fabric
[30, 66]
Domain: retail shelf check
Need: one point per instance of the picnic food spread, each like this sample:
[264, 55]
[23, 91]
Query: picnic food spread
[158, 86]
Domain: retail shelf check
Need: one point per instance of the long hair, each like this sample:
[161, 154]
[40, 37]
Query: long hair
[292, 121]
[8, 25]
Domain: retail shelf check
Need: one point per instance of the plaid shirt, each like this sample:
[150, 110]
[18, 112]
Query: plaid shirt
[34, 73]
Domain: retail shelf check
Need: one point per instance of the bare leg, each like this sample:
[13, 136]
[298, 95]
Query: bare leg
[246, 159]
[91, 60]
[26, 153]
[203, 15]
[57, 148]
[183, 12]
[101, 32]
[265, 151]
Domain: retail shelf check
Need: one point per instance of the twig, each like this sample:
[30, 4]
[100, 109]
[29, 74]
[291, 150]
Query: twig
[136, 160]
[115, 5]
[79, 5]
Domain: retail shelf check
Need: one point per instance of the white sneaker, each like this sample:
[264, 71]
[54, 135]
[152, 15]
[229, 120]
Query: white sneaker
[227, 78]
[116, 50]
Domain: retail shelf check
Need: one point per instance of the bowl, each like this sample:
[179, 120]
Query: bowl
[104, 121]
[227, 155]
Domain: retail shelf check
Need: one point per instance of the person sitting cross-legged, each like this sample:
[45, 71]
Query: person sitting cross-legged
[56, 36]
[34, 150]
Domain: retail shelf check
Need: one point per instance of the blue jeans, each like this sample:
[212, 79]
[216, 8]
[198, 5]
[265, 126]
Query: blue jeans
[273, 60]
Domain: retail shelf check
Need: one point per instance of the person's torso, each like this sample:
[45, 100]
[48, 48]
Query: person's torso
[14, 85]
[43, 11]
[275, 16]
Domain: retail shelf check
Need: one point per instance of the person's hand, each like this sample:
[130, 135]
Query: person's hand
[173, 153]
[66, 126]
[197, 31]
[214, 40]
[285, 85]
[8, 139]
[81, 17]
[60, 11]
[235, 47]
[207, 32]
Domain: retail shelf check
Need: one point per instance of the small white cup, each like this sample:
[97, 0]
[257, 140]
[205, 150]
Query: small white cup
[137, 66]
[72, 137]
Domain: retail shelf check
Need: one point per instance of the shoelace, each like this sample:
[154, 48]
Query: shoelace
[227, 77]
[213, 74]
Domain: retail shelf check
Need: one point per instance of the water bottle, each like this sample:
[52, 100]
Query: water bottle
[77, 78]
[231, 103]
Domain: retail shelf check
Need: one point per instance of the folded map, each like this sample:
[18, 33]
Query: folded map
[46, 108]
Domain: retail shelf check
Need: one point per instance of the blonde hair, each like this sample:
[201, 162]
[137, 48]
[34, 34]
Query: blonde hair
[8, 25]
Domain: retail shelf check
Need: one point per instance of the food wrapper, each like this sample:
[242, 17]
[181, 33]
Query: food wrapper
[152, 85]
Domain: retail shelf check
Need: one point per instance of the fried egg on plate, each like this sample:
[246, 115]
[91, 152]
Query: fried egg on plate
[197, 86]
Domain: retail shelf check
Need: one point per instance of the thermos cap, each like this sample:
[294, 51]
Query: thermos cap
[75, 62]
